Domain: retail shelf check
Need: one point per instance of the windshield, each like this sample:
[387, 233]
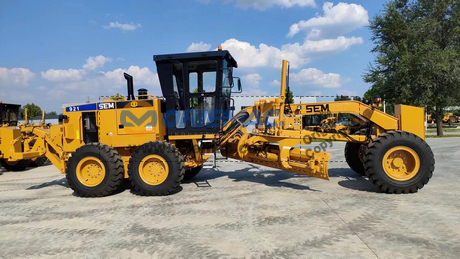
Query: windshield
[227, 79]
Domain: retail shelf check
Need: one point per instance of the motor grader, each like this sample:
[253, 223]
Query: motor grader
[9, 115]
[448, 118]
[156, 143]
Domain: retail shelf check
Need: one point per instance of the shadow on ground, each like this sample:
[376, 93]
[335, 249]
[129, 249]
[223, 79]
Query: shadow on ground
[277, 178]
[253, 174]
[61, 182]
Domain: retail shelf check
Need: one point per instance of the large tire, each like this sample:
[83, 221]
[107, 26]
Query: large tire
[156, 168]
[191, 173]
[20, 165]
[352, 156]
[399, 162]
[452, 119]
[39, 161]
[354, 153]
[102, 163]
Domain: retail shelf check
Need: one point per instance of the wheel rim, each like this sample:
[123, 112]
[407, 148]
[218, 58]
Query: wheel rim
[90, 171]
[11, 162]
[153, 169]
[361, 152]
[401, 163]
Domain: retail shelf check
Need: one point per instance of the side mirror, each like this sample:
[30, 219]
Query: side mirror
[237, 79]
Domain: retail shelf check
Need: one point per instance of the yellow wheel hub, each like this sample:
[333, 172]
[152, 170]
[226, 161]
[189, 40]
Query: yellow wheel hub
[401, 163]
[153, 170]
[90, 171]
[11, 162]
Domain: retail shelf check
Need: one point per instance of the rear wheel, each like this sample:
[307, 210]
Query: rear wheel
[95, 170]
[453, 120]
[20, 165]
[354, 154]
[156, 168]
[191, 173]
[399, 162]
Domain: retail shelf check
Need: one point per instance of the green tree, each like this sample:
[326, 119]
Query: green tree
[32, 110]
[341, 98]
[51, 113]
[417, 54]
[289, 96]
[117, 97]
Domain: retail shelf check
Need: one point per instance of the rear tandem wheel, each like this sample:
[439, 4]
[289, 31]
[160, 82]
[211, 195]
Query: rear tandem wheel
[156, 168]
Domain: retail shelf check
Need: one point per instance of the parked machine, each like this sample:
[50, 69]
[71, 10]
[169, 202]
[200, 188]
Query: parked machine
[9, 116]
[448, 118]
[158, 142]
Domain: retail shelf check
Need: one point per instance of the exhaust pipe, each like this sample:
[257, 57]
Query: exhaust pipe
[129, 80]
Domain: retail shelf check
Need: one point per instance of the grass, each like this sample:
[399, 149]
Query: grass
[445, 130]
[445, 136]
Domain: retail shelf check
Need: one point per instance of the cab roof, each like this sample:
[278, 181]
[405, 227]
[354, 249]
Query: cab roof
[197, 55]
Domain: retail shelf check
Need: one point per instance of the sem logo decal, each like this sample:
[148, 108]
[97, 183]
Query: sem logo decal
[317, 108]
[106, 106]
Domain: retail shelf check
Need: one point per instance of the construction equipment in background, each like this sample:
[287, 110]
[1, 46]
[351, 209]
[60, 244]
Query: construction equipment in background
[333, 123]
[448, 118]
[9, 117]
[156, 143]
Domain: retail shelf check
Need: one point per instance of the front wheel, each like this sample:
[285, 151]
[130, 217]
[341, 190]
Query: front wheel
[399, 162]
[156, 168]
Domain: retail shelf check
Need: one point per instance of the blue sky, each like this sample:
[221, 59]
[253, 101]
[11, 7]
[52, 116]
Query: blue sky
[65, 51]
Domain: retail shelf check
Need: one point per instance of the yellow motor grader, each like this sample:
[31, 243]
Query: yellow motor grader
[156, 143]
[9, 117]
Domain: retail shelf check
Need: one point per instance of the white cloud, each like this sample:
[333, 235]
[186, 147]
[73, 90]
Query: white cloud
[249, 56]
[122, 26]
[322, 48]
[15, 76]
[336, 20]
[275, 83]
[92, 63]
[251, 85]
[63, 75]
[313, 76]
[197, 47]
[265, 4]
[141, 76]
[89, 82]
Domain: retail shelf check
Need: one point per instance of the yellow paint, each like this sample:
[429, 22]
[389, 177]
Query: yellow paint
[411, 119]
[401, 163]
[90, 171]
[139, 121]
[153, 170]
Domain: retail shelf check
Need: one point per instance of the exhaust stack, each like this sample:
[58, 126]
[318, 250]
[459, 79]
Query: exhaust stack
[129, 80]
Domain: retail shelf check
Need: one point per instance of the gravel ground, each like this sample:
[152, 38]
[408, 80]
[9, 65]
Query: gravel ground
[238, 210]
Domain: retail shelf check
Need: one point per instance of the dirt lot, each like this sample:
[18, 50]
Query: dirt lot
[237, 211]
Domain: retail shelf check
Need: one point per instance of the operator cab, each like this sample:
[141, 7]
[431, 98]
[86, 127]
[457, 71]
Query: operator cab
[197, 88]
[9, 114]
